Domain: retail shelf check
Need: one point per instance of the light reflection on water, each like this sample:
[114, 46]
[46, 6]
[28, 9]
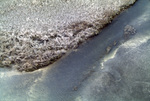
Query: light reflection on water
[124, 76]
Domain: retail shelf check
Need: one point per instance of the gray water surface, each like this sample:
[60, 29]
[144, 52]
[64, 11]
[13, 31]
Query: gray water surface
[89, 74]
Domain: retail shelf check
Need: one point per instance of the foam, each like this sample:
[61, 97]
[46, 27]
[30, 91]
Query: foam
[108, 57]
[136, 41]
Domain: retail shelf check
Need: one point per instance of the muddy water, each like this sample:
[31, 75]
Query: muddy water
[89, 74]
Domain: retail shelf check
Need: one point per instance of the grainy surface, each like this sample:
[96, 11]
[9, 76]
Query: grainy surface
[35, 33]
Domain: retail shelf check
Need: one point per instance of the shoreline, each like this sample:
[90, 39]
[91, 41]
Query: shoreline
[28, 49]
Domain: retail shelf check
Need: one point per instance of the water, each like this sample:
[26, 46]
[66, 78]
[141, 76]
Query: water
[89, 74]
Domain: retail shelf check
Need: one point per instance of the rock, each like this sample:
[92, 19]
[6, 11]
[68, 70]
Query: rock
[108, 49]
[115, 43]
[129, 30]
[75, 88]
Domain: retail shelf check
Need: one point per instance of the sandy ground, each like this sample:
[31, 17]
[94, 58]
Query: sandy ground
[35, 33]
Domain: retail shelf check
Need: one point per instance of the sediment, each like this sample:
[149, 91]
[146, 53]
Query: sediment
[36, 33]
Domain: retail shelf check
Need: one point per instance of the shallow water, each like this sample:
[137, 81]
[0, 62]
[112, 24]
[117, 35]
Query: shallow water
[89, 74]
